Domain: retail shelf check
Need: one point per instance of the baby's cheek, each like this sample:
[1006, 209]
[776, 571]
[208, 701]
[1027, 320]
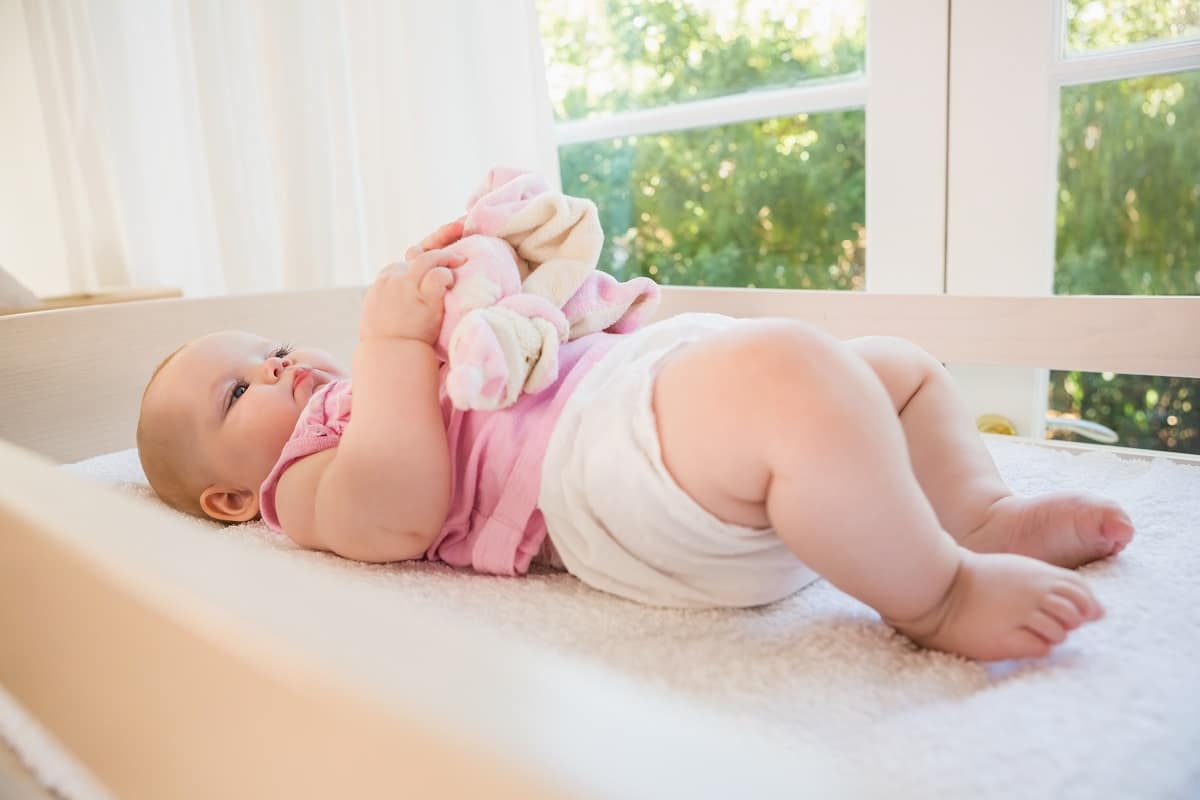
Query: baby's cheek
[263, 446]
[267, 434]
[285, 423]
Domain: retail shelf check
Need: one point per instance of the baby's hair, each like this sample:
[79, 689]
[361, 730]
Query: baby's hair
[162, 457]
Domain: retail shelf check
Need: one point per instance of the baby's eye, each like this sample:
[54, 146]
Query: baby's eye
[239, 389]
[282, 351]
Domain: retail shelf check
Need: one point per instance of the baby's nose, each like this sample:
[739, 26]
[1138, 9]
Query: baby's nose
[276, 366]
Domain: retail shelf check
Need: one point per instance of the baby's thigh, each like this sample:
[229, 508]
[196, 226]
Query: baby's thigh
[902, 366]
[722, 403]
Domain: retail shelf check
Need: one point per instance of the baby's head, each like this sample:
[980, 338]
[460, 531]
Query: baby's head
[215, 417]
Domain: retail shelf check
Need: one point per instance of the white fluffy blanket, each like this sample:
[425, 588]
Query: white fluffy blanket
[1114, 713]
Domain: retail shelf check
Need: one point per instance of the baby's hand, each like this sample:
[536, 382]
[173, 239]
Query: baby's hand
[444, 236]
[405, 302]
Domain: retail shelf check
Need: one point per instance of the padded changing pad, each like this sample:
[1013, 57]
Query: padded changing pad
[1113, 713]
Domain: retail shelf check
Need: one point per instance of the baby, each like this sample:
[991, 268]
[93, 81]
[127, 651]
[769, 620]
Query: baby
[700, 461]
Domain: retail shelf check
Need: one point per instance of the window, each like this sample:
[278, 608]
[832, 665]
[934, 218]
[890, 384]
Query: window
[1128, 222]
[724, 143]
[1071, 172]
[1025, 148]
[1128, 206]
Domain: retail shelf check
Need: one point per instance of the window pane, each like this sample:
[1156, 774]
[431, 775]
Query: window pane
[604, 56]
[1107, 24]
[1129, 187]
[1129, 223]
[1144, 411]
[775, 203]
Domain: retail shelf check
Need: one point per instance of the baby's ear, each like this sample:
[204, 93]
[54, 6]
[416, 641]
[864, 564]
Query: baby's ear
[229, 505]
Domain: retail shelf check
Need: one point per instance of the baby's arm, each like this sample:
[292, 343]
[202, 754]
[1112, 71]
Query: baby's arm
[383, 493]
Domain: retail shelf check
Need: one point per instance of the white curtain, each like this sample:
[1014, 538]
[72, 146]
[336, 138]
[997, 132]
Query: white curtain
[253, 145]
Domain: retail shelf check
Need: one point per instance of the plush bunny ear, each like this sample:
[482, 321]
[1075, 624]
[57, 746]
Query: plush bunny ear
[497, 179]
[603, 303]
[559, 236]
[503, 194]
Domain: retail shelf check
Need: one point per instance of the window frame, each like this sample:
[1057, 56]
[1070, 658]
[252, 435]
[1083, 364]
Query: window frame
[947, 212]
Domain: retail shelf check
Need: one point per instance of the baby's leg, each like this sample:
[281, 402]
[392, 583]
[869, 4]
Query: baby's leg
[958, 476]
[778, 424]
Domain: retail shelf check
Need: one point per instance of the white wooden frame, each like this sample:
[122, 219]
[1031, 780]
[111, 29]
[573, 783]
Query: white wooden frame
[107, 353]
[1007, 67]
[89, 584]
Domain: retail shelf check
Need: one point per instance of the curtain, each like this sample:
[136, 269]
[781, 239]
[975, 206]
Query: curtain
[229, 146]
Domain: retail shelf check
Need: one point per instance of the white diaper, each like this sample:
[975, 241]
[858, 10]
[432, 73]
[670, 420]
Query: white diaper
[617, 518]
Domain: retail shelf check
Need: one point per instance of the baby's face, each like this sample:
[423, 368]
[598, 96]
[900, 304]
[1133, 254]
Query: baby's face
[238, 396]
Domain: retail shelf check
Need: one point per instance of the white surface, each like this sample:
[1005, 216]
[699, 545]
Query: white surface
[1114, 713]
[907, 58]
[1003, 149]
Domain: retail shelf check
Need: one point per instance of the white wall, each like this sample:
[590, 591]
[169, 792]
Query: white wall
[31, 244]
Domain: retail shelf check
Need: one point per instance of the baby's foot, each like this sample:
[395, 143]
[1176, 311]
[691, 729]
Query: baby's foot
[1069, 529]
[1004, 606]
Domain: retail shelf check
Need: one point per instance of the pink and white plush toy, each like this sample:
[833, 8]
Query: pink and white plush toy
[529, 284]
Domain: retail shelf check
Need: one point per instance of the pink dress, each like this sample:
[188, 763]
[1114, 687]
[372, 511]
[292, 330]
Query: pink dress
[493, 524]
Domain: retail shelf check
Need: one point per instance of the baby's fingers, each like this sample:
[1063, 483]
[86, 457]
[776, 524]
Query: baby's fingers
[434, 285]
[420, 266]
[444, 236]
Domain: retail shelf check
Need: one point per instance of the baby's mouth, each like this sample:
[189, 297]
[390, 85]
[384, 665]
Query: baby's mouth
[300, 376]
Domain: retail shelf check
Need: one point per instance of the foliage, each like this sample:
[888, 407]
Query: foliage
[723, 206]
[616, 55]
[780, 203]
[718, 206]
[1104, 24]
[1129, 187]
[1150, 412]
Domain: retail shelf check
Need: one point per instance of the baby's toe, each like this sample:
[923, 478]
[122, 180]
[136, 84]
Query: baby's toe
[1046, 626]
[1073, 589]
[1116, 527]
[1063, 610]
